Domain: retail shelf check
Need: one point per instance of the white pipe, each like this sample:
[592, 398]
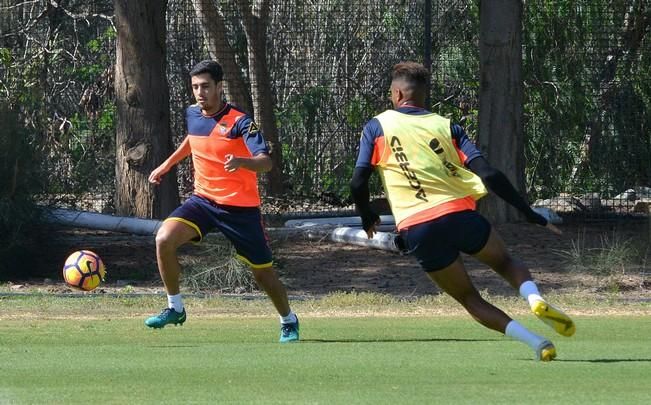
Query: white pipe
[356, 236]
[91, 220]
[386, 221]
[550, 215]
[139, 226]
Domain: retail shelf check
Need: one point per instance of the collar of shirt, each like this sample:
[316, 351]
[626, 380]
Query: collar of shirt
[217, 116]
[410, 109]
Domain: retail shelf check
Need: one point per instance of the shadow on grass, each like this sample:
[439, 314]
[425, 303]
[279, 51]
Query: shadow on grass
[395, 340]
[171, 346]
[604, 360]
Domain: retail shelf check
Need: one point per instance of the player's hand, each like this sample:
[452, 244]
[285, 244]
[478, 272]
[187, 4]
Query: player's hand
[538, 219]
[553, 228]
[369, 221]
[232, 163]
[157, 173]
[401, 245]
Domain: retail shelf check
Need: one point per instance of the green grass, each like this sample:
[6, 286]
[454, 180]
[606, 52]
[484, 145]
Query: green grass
[217, 358]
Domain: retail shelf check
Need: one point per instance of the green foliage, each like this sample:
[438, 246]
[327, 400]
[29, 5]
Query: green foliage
[19, 181]
[59, 79]
[358, 111]
[6, 57]
[586, 95]
[329, 67]
[304, 113]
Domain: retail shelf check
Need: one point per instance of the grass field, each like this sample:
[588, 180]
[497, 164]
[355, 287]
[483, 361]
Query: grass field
[96, 349]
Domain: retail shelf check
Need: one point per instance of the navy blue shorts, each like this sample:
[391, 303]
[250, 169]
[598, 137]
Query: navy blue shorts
[243, 226]
[436, 244]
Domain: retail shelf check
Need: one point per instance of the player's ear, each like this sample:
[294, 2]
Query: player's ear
[398, 96]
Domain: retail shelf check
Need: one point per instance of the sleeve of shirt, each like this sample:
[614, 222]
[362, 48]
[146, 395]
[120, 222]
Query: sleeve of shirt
[368, 145]
[249, 131]
[466, 150]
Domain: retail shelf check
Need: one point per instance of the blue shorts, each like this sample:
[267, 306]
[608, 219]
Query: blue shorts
[436, 244]
[241, 225]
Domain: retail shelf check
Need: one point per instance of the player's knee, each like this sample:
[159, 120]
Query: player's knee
[473, 302]
[505, 263]
[164, 241]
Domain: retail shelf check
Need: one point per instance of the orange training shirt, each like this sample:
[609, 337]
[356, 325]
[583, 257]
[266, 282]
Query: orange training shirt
[230, 131]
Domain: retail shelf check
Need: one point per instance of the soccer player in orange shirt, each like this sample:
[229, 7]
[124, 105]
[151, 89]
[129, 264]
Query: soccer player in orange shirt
[228, 150]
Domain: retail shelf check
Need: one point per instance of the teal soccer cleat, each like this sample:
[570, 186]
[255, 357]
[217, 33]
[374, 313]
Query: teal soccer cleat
[289, 332]
[166, 317]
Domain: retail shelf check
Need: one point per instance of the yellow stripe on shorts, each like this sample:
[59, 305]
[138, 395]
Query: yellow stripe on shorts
[188, 223]
[252, 265]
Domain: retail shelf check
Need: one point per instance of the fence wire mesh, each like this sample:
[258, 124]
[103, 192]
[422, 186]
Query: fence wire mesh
[586, 71]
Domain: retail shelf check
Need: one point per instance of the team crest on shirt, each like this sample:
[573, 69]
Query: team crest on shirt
[223, 127]
[253, 128]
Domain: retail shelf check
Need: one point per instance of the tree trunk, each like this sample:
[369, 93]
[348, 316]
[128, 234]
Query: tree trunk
[500, 99]
[255, 19]
[143, 138]
[214, 30]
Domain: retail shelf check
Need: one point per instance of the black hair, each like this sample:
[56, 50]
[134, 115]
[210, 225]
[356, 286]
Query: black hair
[208, 66]
[415, 74]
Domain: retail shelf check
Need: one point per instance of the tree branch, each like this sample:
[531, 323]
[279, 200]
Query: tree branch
[213, 26]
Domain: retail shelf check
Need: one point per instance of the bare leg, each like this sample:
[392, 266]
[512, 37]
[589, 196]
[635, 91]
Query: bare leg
[455, 281]
[495, 255]
[267, 278]
[170, 236]
[516, 273]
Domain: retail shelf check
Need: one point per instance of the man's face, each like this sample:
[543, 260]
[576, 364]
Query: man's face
[206, 92]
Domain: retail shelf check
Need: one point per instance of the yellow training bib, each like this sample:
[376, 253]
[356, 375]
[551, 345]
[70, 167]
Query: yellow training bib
[420, 167]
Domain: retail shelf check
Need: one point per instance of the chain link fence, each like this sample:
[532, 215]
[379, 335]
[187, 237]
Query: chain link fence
[586, 72]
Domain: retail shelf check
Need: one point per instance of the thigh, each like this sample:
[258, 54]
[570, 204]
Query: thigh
[469, 231]
[437, 243]
[196, 213]
[494, 253]
[176, 233]
[245, 229]
[454, 280]
[428, 243]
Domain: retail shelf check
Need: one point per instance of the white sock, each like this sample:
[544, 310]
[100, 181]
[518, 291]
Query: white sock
[518, 332]
[529, 291]
[175, 302]
[289, 318]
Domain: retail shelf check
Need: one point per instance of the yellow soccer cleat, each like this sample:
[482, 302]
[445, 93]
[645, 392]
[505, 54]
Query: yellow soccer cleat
[546, 351]
[554, 317]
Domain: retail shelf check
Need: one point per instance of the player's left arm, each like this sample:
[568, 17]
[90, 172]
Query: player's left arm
[259, 161]
[494, 179]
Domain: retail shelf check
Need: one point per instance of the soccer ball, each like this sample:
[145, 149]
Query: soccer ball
[84, 270]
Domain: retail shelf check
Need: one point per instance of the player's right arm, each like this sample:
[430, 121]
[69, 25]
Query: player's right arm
[366, 159]
[179, 154]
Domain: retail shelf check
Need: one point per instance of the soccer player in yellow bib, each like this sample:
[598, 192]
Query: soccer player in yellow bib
[433, 175]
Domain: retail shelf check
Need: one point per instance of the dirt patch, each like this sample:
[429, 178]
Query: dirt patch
[317, 267]
[312, 267]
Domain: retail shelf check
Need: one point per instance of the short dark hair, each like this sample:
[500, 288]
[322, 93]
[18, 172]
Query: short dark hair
[208, 66]
[415, 74]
